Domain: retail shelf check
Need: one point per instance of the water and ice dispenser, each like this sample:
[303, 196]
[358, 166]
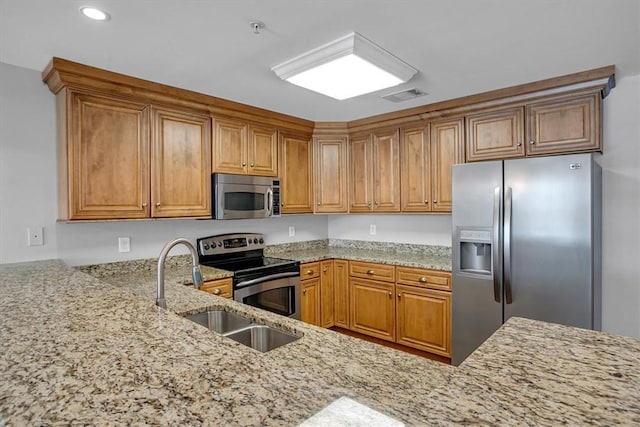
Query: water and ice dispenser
[475, 251]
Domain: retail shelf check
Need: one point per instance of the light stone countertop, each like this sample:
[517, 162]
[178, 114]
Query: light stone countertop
[83, 350]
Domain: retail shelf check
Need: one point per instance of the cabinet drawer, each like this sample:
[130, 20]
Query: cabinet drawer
[423, 278]
[221, 288]
[366, 270]
[309, 270]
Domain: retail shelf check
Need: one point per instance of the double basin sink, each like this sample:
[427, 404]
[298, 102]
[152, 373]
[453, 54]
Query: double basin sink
[240, 329]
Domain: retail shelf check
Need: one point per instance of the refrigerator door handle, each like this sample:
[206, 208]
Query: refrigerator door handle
[496, 243]
[507, 245]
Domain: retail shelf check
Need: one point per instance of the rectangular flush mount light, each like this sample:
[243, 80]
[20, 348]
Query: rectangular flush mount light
[344, 68]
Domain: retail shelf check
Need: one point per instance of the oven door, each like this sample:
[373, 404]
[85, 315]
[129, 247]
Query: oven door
[278, 293]
[241, 201]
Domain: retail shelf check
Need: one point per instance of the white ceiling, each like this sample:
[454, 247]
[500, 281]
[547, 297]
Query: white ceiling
[460, 47]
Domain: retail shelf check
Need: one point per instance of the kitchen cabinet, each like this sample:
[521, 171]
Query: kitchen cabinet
[221, 287]
[126, 160]
[428, 151]
[372, 306]
[341, 293]
[180, 164]
[331, 178]
[295, 173]
[327, 318]
[310, 293]
[568, 123]
[244, 148]
[375, 172]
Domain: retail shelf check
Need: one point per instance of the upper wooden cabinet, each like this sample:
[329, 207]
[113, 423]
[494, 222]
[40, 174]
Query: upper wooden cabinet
[375, 172]
[427, 153]
[331, 179]
[561, 124]
[181, 166]
[245, 149]
[295, 173]
[125, 160]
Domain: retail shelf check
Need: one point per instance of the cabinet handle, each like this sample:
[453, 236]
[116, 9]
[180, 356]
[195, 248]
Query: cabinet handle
[318, 203]
[244, 164]
[399, 296]
[216, 291]
[304, 291]
[519, 144]
[325, 270]
[371, 272]
[157, 204]
[281, 204]
[422, 279]
[426, 202]
[376, 202]
[368, 203]
[144, 205]
[435, 201]
[532, 142]
[251, 165]
[309, 272]
[390, 294]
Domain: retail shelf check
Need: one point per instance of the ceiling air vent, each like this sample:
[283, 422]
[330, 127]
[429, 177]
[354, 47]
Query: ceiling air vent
[404, 95]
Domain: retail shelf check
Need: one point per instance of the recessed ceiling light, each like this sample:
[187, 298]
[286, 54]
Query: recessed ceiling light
[347, 67]
[93, 13]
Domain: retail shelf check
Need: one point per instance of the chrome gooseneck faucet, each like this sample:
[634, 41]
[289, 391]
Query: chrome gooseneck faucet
[195, 268]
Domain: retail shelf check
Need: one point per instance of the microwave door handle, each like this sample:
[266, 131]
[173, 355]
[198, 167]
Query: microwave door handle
[269, 201]
[267, 278]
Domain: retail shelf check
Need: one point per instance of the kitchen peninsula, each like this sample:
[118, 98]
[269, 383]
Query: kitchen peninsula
[78, 349]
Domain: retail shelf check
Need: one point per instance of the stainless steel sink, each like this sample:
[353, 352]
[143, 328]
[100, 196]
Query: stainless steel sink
[220, 321]
[262, 338]
[240, 329]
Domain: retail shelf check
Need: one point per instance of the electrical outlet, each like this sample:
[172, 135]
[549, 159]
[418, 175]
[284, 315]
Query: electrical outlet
[372, 229]
[35, 236]
[124, 244]
[292, 231]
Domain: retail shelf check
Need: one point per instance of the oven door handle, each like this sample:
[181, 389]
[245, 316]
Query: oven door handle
[267, 278]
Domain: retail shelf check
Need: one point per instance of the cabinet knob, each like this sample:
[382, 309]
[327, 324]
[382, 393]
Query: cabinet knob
[532, 142]
[281, 204]
[157, 204]
[325, 270]
[371, 272]
[368, 203]
[304, 291]
[519, 144]
[144, 205]
[399, 296]
[318, 203]
[376, 202]
[390, 294]
[422, 279]
[309, 272]
[435, 201]
[426, 202]
[216, 291]
[251, 165]
[244, 164]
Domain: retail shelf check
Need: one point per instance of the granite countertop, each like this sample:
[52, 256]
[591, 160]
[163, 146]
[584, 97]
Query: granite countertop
[78, 349]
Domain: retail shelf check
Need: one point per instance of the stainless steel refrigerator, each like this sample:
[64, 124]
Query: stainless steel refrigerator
[526, 242]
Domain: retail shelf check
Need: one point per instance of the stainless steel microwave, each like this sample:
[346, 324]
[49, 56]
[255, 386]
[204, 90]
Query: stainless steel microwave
[244, 196]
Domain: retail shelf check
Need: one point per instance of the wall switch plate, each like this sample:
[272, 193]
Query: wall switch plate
[124, 244]
[35, 236]
[372, 229]
[292, 231]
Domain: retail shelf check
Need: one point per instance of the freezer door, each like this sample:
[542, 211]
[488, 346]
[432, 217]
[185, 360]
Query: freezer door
[548, 267]
[476, 219]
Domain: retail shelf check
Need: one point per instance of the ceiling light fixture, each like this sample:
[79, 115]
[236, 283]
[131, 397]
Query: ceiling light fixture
[93, 13]
[344, 68]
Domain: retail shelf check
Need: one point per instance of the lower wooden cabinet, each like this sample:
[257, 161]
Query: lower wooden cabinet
[424, 319]
[372, 308]
[221, 287]
[341, 293]
[326, 294]
[310, 301]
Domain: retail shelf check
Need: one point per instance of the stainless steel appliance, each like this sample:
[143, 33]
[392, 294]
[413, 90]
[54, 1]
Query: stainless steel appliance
[526, 242]
[244, 196]
[272, 284]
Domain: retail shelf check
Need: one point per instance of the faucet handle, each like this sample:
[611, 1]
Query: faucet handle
[197, 276]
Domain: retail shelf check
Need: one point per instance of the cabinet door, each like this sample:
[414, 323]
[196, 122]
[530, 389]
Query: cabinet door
[181, 164]
[564, 124]
[341, 293]
[330, 182]
[361, 174]
[229, 146]
[107, 158]
[447, 149]
[326, 294]
[262, 151]
[310, 304]
[424, 319]
[495, 134]
[372, 308]
[415, 170]
[295, 174]
[386, 172]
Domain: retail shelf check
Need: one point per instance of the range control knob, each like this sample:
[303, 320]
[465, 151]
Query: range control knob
[255, 241]
[206, 246]
[219, 244]
[261, 241]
